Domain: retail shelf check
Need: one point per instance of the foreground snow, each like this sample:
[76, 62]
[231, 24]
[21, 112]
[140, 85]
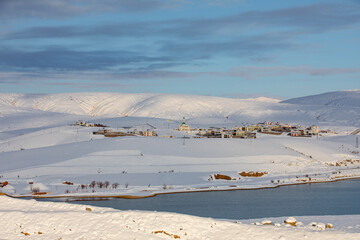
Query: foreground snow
[29, 219]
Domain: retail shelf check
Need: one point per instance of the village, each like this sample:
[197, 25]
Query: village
[243, 132]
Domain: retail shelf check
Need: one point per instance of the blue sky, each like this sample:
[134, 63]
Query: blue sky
[231, 48]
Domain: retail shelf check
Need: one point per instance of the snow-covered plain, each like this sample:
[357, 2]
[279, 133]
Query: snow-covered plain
[40, 151]
[143, 166]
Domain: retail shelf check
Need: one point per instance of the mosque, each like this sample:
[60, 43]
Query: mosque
[183, 126]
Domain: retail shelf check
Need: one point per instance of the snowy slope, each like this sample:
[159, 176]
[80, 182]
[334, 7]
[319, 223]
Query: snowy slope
[166, 106]
[350, 98]
[143, 165]
[144, 105]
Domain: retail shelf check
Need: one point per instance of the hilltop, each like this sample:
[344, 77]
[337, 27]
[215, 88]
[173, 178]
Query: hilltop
[349, 98]
[339, 108]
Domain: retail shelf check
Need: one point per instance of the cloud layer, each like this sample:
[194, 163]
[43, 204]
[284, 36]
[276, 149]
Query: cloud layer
[121, 41]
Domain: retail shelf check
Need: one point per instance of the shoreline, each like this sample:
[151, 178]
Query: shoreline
[106, 197]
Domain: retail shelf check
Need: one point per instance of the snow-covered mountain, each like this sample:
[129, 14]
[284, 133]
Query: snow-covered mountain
[337, 107]
[143, 105]
[349, 98]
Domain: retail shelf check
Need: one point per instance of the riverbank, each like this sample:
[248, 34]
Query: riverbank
[95, 197]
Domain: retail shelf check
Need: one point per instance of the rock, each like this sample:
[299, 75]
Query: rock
[25, 233]
[222, 176]
[291, 221]
[3, 184]
[266, 222]
[329, 225]
[252, 174]
[320, 226]
[88, 209]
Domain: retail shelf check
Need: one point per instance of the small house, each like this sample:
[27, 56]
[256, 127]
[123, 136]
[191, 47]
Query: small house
[149, 133]
[295, 133]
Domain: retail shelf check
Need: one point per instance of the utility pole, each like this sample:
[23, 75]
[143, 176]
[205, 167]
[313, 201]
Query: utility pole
[357, 142]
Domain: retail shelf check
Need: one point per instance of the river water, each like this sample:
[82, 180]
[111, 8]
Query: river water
[335, 198]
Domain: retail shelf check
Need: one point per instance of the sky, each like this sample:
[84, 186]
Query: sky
[228, 48]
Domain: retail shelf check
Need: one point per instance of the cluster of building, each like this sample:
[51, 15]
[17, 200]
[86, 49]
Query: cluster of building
[305, 132]
[293, 131]
[110, 133]
[145, 133]
[89, 124]
[217, 132]
[250, 131]
[247, 132]
[236, 132]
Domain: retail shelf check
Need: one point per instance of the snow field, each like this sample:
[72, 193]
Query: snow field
[29, 219]
[146, 165]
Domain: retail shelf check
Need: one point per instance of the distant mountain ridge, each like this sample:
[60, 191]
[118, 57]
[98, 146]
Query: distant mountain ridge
[349, 98]
[140, 104]
[341, 108]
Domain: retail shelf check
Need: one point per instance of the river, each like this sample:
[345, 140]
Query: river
[335, 198]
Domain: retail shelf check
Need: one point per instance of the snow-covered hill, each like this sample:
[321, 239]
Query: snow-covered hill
[349, 98]
[339, 108]
[144, 104]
